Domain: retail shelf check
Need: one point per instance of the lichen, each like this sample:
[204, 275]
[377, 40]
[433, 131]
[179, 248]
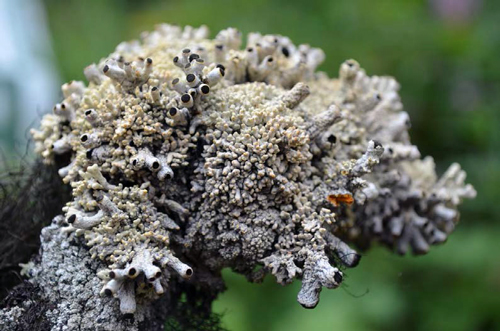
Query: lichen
[190, 154]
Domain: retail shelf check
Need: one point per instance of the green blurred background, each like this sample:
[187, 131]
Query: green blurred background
[445, 54]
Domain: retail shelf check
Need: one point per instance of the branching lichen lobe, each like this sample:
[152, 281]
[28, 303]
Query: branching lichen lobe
[190, 149]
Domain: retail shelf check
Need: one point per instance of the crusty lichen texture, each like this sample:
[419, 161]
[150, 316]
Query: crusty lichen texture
[190, 154]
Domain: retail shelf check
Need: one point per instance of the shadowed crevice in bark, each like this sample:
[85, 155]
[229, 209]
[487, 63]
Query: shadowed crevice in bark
[30, 197]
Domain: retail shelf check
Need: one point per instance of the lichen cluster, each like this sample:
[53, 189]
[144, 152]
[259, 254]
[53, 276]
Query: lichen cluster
[189, 154]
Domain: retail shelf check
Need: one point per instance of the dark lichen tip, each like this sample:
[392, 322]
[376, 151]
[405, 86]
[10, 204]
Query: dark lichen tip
[105, 69]
[332, 139]
[71, 218]
[338, 277]
[185, 98]
[190, 78]
[309, 305]
[355, 260]
[205, 89]
[193, 56]
[285, 51]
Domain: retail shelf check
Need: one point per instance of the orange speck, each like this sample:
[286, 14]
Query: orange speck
[336, 199]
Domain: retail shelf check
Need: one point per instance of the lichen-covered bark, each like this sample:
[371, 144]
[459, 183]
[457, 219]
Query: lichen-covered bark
[189, 155]
[63, 287]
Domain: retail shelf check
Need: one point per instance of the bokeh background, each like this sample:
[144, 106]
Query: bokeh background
[445, 54]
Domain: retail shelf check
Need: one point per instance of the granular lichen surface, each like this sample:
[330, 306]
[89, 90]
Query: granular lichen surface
[189, 155]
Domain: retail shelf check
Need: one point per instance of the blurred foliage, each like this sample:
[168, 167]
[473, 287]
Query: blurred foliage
[450, 75]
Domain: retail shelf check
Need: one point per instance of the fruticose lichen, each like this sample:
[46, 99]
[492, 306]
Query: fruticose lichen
[189, 155]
